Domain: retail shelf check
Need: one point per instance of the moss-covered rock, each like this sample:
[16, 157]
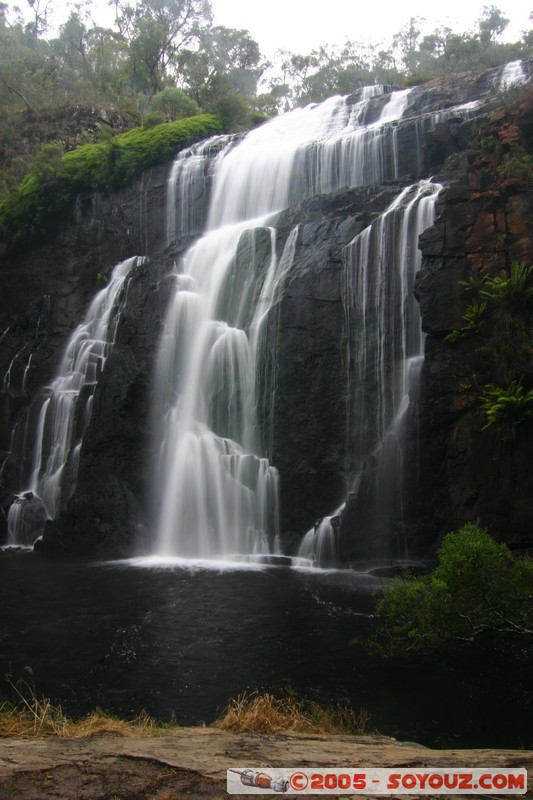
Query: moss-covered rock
[44, 195]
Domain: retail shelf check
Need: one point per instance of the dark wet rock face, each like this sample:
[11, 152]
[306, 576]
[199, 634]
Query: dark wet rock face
[463, 473]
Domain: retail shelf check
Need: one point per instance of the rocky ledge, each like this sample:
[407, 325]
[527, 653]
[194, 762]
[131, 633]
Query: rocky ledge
[193, 762]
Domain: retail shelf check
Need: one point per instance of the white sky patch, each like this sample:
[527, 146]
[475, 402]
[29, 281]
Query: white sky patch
[301, 25]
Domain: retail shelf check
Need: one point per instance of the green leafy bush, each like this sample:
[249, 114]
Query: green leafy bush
[502, 313]
[46, 193]
[174, 104]
[474, 283]
[488, 144]
[476, 587]
[153, 118]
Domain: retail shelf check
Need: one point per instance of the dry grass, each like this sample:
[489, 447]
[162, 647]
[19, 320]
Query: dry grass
[264, 713]
[43, 719]
[29, 716]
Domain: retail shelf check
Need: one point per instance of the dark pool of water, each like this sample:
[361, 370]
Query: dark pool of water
[181, 641]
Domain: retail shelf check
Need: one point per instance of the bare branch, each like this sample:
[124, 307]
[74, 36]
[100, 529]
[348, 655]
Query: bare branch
[18, 93]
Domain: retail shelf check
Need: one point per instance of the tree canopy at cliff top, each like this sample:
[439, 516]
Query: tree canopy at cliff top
[164, 60]
[154, 44]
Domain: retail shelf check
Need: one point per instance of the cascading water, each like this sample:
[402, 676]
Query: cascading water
[318, 544]
[386, 346]
[187, 188]
[384, 336]
[511, 74]
[384, 356]
[216, 492]
[55, 428]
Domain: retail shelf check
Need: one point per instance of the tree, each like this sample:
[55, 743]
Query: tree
[40, 12]
[26, 73]
[491, 24]
[225, 58]
[476, 587]
[527, 36]
[406, 43]
[72, 43]
[155, 32]
[174, 104]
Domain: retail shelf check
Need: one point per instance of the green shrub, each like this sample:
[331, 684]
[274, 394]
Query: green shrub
[488, 144]
[174, 104]
[517, 165]
[153, 118]
[511, 292]
[474, 283]
[502, 312]
[416, 79]
[476, 587]
[233, 109]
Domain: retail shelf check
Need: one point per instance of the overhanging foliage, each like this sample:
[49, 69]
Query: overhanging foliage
[477, 586]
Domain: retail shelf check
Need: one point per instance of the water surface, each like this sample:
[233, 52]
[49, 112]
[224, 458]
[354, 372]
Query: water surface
[180, 639]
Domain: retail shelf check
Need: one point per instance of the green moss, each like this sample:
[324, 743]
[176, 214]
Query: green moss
[44, 195]
[87, 167]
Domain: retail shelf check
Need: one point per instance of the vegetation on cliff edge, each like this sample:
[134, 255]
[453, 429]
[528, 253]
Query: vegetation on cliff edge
[55, 179]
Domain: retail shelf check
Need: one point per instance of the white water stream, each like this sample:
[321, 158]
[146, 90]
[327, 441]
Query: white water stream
[217, 493]
[65, 409]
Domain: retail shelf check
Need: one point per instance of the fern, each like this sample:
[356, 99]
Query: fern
[511, 291]
[473, 317]
[506, 408]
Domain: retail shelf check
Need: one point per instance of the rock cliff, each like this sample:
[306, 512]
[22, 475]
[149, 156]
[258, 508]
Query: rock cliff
[463, 472]
[472, 472]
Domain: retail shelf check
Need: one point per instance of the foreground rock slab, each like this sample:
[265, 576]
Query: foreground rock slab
[192, 762]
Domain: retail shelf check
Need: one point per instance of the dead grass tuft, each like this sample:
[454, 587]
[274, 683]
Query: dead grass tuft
[43, 719]
[264, 713]
[30, 716]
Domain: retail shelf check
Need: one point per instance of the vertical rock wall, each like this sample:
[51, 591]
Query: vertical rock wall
[471, 472]
[483, 223]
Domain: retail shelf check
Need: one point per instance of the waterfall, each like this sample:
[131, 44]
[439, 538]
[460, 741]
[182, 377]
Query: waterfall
[55, 429]
[216, 493]
[215, 490]
[385, 351]
[384, 343]
[187, 187]
[511, 74]
[319, 543]
[383, 328]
